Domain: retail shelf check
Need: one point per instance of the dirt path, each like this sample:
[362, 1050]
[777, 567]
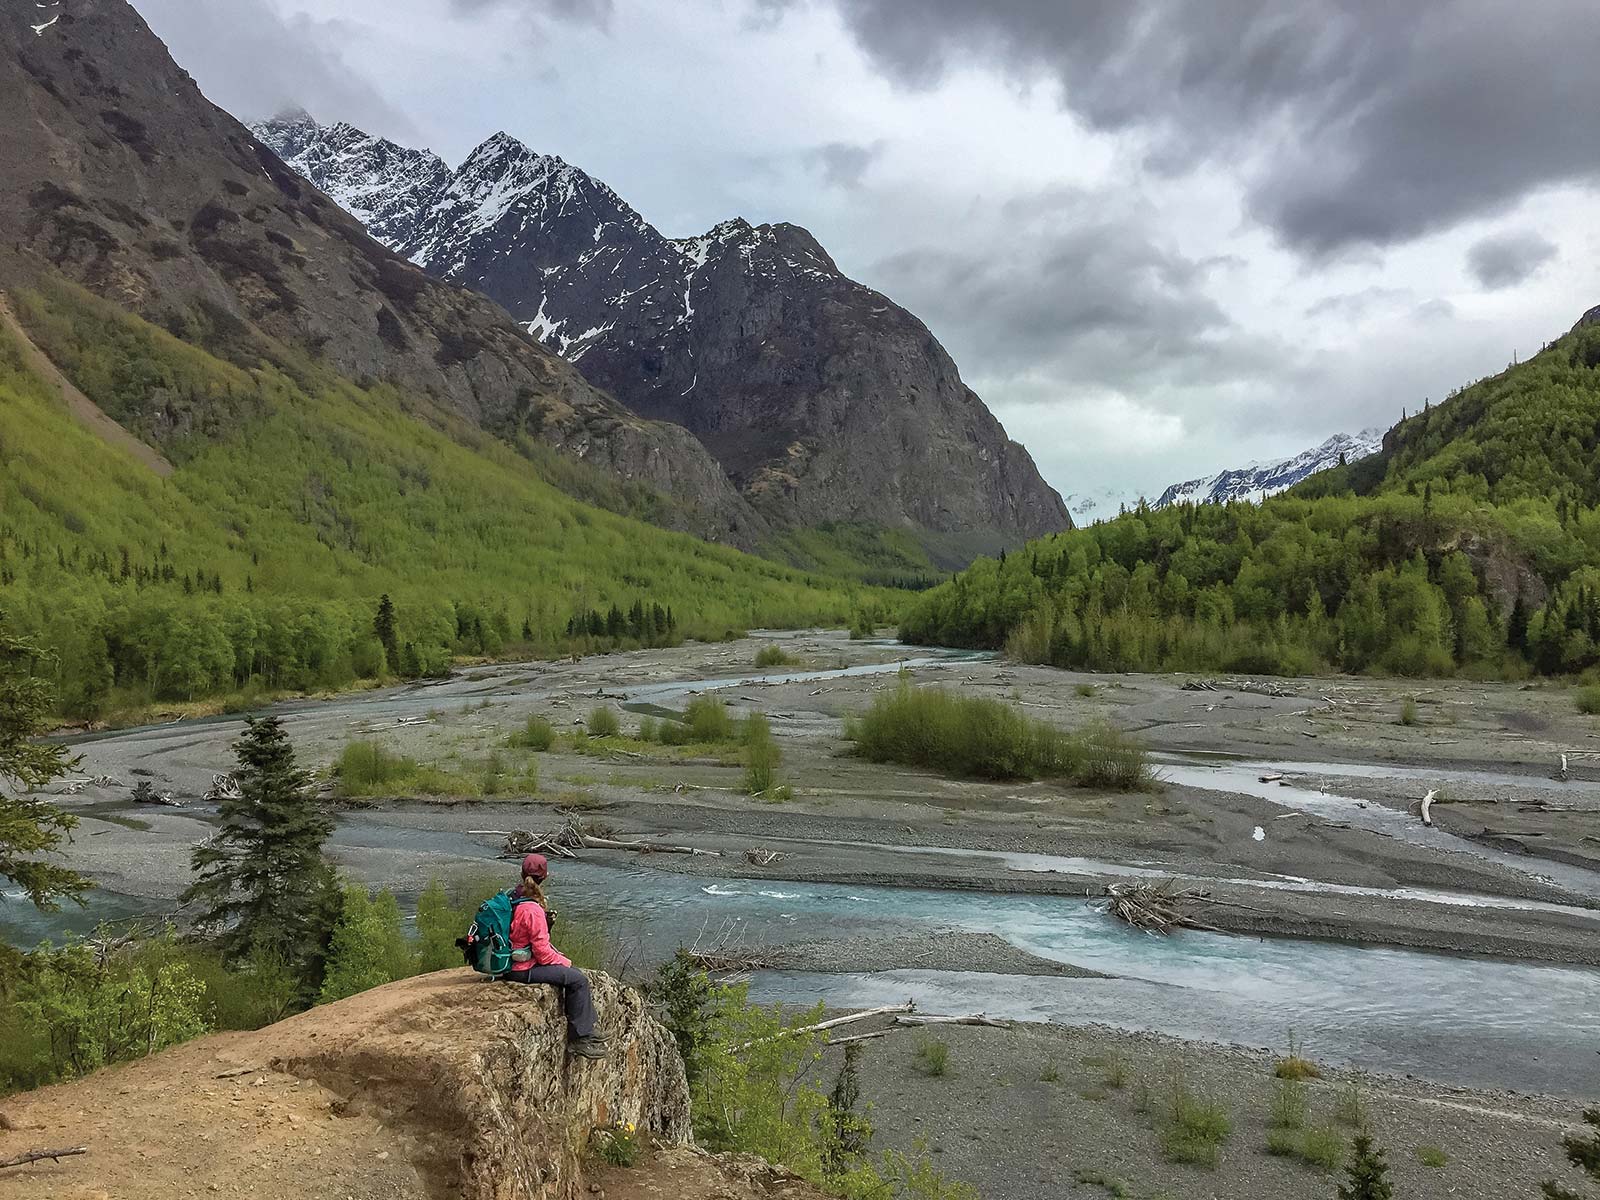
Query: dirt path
[80, 406]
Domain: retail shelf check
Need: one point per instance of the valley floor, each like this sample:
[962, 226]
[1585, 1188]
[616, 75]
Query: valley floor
[991, 877]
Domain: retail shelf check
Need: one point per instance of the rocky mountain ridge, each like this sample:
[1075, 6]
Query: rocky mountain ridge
[1253, 481]
[1257, 481]
[116, 173]
[821, 398]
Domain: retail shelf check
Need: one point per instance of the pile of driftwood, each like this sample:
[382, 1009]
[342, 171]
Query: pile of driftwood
[1255, 687]
[1156, 908]
[757, 856]
[573, 835]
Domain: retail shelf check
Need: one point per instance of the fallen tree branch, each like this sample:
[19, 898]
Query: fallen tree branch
[860, 1037]
[832, 1023]
[39, 1155]
[1427, 806]
[970, 1019]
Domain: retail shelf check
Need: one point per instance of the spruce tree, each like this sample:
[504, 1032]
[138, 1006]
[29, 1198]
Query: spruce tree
[383, 626]
[262, 878]
[29, 826]
[1368, 1171]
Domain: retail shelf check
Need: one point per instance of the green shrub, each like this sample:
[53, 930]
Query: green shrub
[1349, 1109]
[932, 1056]
[367, 769]
[76, 1010]
[708, 720]
[981, 738]
[1085, 690]
[1288, 1105]
[617, 1146]
[439, 924]
[369, 946]
[1051, 1073]
[1408, 711]
[1283, 1143]
[537, 734]
[773, 655]
[1432, 1156]
[1323, 1147]
[1195, 1129]
[1588, 700]
[649, 729]
[762, 756]
[603, 722]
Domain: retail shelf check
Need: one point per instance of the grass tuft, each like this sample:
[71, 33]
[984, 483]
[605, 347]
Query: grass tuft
[933, 1056]
[1432, 1156]
[603, 722]
[1588, 700]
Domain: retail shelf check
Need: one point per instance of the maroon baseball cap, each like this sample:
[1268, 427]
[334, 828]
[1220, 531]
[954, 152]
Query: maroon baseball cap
[536, 865]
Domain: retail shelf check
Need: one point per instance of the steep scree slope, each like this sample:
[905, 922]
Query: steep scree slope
[821, 398]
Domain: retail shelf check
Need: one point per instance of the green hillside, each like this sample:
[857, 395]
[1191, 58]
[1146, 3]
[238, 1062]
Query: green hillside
[1471, 544]
[298, 499]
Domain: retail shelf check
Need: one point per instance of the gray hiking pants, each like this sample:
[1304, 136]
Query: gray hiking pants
[576, 998]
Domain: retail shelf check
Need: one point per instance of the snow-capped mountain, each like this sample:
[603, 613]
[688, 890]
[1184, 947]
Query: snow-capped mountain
[821, 398]
[1101, 504]
[1256, 481]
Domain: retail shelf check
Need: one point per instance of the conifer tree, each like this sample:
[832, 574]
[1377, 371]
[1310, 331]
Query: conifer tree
[383, 626]
[262, 878]
[1368, 1171]
[29, 826]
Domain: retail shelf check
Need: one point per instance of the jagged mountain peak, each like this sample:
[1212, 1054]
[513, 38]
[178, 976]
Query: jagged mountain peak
[1257, 480]
[822, 399]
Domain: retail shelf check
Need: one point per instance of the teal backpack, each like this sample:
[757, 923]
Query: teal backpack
[487, 946]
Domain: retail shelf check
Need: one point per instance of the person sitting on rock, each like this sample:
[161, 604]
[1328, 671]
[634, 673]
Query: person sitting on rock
[535, 960]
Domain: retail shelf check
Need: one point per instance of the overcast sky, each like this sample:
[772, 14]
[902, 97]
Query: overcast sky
[1160, 238]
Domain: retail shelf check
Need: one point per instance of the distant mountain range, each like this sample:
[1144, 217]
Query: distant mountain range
[822, 400]
[1253, 481]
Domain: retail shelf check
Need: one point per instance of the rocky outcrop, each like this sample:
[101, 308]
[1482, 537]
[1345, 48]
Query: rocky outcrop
[822, 399]
[441, 1085]
[1592, 317]
[118, 174]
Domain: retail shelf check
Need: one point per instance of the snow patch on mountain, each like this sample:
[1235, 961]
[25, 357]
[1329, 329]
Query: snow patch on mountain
[1256, 481]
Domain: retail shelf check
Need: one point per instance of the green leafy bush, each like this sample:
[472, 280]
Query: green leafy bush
[369, 946]
[603, 722]
[1195, 1129]
[762, 756]
[1587, 700]
[982, 738]
[538, 734]
[772, 655]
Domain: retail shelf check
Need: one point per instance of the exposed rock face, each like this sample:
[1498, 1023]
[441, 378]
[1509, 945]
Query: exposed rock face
[442, 1085]
[479, 1075]
[118, 173]
[821, 398]
[1592, 317]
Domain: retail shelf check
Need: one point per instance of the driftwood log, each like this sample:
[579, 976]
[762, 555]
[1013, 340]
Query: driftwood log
[32, 1156]
[832, 1023]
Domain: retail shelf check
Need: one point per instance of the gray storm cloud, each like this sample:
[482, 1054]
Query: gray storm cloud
[1506, 259]
[255, 63]
[1363, 123]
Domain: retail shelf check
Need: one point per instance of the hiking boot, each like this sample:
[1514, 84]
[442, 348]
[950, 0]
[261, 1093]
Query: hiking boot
[589, 1047]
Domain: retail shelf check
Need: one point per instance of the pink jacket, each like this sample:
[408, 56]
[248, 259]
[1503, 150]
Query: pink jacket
[531, 931]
